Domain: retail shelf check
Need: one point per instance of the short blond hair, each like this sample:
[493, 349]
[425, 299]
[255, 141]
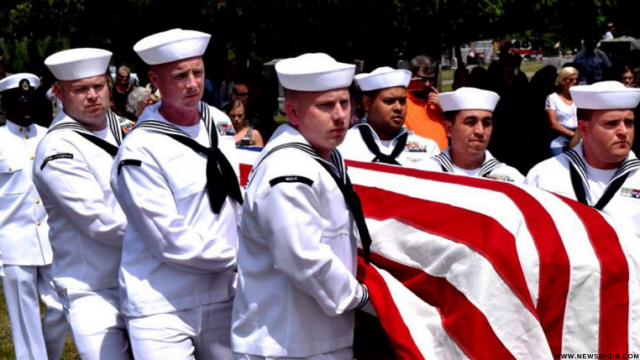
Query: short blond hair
[565, 72]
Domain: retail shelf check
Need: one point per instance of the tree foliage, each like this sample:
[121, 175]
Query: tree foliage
[377, 31]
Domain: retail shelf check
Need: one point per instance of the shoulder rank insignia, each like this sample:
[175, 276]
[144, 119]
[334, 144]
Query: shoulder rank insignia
[290, 179]
[55, 157]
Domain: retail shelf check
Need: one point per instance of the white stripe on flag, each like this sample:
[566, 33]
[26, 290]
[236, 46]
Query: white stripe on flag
[472, 275]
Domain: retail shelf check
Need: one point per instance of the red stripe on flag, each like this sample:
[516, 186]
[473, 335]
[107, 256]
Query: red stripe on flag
[245, 170]
[466, 325]
[554, 262]
[481, 233]
[399, 335]
[613, 335]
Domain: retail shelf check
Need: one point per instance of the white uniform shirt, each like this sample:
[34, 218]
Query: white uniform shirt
[177, 253]
[296, 258]
[86, 223]
[415, 153]
[24, 232]
[554, 175]
[490, 169]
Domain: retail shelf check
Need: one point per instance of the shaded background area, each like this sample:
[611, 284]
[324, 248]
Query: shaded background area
[380, 32]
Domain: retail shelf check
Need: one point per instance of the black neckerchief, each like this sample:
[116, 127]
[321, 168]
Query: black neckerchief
[367, 136]
[337, 169]
[221, 179]
[114, 126]
[486, 169]
[579, 179]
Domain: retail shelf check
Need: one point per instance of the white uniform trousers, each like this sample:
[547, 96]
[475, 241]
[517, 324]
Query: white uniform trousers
[31, 338]
[203, 333]
[98, 329]
[342, 354]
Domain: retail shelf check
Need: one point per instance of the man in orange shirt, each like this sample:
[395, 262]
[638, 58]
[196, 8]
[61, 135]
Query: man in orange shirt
[424, 113]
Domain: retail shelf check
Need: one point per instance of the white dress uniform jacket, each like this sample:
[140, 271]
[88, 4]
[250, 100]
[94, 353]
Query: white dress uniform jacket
[86, 223]
[416, 152]
[296, 257]
[24, 232]
[554, 175]
[491, 168]
[177, 253]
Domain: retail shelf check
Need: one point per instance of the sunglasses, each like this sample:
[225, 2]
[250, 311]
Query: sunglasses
[427, 78]
[124, 76]
[242, 94]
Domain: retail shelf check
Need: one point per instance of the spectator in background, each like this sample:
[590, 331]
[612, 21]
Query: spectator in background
[625, 76]
[138, 99]
[543, 84]
[241, 92]
[121, 90]
[424, 113]
[257, 116]
[155, 93]
[479, 78]
[609, 34]
[561, 111]
[226, 87]
[594, 62]
[636, 76]
[512, 139]
[460, 78]
[246, 135]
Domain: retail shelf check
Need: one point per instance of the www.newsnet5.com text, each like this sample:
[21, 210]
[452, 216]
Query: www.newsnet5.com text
[596, 356]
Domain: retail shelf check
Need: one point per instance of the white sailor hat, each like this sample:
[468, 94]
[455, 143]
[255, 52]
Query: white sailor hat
[605, 95]
[468, 98]
[172, 45]
[22, 81]
[314, 72]
[76, 64]
[382, 78]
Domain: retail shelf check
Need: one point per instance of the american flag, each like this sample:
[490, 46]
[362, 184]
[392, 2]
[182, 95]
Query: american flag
[473, 268]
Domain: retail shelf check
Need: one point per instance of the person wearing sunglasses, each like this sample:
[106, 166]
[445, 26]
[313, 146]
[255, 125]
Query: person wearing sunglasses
[424, 113]
[561, 111]
[122, 89]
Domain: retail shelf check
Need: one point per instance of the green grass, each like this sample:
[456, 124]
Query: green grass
[531, 66]
[6, 342]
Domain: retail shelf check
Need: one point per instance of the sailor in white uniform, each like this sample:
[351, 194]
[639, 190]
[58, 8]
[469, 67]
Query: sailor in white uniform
[24, 232]
[468, 114]
[297, 291]
[176, 183]
[602, 171]
[382, 137]
[71, 171]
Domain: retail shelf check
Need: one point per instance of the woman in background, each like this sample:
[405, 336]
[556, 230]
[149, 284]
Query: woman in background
[245, 134]
[561, 111]
[137, 100]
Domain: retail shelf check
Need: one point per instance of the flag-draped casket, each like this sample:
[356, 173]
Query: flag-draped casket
[466, 267]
